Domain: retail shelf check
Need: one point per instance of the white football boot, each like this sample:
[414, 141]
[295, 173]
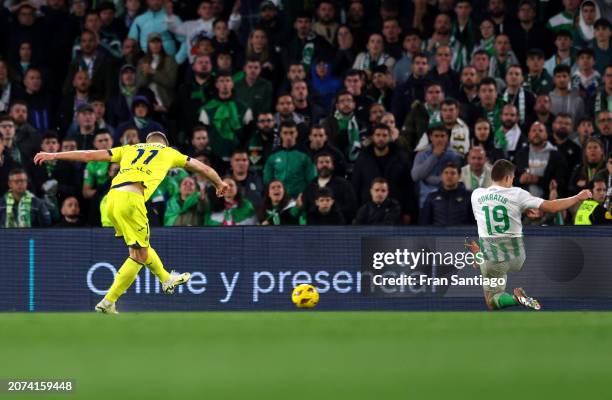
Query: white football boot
[106, 307]
[175, 280]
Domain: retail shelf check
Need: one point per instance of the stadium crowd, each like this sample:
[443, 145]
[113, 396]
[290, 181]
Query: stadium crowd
[315, 112]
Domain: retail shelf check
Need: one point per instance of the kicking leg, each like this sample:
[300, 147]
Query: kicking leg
[169, 280]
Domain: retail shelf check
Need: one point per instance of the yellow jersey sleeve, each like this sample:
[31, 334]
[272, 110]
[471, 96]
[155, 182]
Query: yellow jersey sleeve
[179, 159]
[116, 153]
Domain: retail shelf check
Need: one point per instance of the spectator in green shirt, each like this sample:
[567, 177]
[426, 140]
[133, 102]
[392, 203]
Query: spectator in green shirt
[96, 172]
[289, 165]
[186, 208]
[96, 177]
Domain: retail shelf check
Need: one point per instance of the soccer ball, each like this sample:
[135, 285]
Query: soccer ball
[305, 296]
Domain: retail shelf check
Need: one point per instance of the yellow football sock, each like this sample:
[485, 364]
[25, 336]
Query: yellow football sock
[154, 263]
[123, 280]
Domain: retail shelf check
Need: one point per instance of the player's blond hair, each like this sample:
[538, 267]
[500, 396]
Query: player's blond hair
[155, 136]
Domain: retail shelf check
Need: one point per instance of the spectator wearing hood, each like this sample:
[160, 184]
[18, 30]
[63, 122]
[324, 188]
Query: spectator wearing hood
[450, 205]
[120, 104]
[324, 85]
[140, 120]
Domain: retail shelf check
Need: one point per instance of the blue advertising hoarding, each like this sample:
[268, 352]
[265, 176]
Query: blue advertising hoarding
[255, 268]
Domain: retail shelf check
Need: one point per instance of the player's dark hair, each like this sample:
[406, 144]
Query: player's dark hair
[501, 169]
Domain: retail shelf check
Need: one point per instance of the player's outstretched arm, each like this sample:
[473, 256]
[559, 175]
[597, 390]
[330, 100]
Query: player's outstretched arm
[553, 206]
[208, 173]
[79, 155]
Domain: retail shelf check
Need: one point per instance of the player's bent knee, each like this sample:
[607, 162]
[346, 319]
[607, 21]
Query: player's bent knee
[139, 254]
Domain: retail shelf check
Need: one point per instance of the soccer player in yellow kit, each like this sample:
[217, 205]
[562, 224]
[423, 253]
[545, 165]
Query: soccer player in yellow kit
[142, 167]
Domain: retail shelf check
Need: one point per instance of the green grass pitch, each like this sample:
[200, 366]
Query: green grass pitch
[313, 355]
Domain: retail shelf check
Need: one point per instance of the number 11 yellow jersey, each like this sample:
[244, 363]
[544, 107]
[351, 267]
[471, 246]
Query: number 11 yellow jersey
[147, 163]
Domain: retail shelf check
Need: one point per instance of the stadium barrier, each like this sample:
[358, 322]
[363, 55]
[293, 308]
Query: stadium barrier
[255, 268]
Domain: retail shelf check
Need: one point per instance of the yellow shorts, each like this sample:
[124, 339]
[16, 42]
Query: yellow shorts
[128, 214]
